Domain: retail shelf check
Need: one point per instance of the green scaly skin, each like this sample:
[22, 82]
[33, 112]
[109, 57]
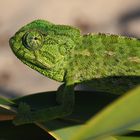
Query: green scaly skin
[109, 63]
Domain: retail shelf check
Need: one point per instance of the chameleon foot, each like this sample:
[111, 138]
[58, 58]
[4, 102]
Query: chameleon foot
[23, 114]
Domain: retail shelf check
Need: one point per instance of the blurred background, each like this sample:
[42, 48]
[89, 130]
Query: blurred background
[108, 16]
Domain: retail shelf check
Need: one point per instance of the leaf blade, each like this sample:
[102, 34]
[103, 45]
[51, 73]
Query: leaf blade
[104, 125]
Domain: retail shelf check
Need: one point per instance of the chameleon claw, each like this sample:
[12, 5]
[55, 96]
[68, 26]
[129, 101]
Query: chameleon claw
[24, 114]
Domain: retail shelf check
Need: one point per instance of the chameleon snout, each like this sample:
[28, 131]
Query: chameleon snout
[11, 41]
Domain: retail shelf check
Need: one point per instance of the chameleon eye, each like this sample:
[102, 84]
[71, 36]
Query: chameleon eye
[33, 40]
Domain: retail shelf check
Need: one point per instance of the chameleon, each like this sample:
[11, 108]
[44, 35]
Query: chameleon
[109, 63]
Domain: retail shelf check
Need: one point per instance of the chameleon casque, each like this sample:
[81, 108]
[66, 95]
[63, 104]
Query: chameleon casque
[110, 63]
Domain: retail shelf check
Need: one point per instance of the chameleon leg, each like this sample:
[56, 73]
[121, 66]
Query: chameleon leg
[25, 115]
[60, 94]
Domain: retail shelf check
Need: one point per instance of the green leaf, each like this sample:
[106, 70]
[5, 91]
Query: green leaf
[114, 119]
[5, 101]
[60, 129]
[24, 132]
[127, 138]
[87, 105]
[84, 101]
[136, 127]
[7, 112]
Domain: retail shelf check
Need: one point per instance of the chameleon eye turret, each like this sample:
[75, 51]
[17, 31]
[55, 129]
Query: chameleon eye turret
[33, 40]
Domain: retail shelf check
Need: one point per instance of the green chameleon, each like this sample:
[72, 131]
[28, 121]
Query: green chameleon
[108, 63]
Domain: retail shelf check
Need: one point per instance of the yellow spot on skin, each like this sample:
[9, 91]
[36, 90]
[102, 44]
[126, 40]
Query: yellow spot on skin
[109, 53]
[85, 52]
[134, 59]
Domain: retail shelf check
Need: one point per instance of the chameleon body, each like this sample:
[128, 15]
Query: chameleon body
[110, 63]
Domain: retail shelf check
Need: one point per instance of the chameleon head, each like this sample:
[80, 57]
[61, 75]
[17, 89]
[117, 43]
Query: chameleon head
[45, 47]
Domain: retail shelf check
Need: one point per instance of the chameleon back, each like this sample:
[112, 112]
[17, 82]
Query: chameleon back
[107, 62]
